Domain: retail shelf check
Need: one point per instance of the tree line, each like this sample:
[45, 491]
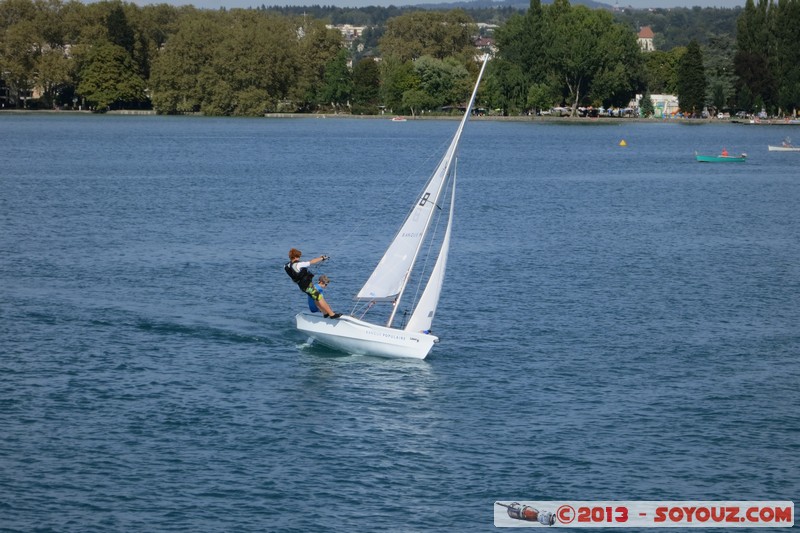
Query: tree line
[112, 54]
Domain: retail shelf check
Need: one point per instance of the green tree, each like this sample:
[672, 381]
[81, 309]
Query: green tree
[54, 74]
[109, 78]
[432, 33]
[620, 76]
[240, 62]
[445, 82]
[582, 52]
[661, 70]
[417, 101]
[720, 75]
[397, 78]
[691, 80]
[338, 82]
[20, 48]
[119, 31]
[49, 26]
[646, 107]
[258, 61]
[754, 60]
[787, 35]
[541, 96]
[15, 11]
[183, 70]
[521, 41]
[745, 100]
[588, 48]
[505, 87]
[72, 18]
[718, 99]
[366, 84]
[316, 47]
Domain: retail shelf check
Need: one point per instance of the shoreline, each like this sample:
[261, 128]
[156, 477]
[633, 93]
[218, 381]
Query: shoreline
[494, 118]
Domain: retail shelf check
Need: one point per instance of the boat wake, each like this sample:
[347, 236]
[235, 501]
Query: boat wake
[201, 331]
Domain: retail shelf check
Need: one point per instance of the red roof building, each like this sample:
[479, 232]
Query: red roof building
[645, 38]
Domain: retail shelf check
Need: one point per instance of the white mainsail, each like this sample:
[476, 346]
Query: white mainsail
[389, 279]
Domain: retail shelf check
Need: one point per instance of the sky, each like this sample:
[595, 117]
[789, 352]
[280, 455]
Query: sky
[216, 4]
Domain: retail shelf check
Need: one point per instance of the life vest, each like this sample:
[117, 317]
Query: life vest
[302, 278]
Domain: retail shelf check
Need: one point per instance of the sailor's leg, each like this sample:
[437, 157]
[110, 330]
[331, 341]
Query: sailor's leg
[323, 306]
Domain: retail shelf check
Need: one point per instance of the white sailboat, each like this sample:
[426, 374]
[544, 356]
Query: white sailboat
[389, 279]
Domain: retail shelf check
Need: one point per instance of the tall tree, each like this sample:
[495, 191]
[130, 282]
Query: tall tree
[21, 46]
[397, 77]
[337, 84]
[257, 59]
[417, 100]
[521, 41]
[587, 48]
[366, 82]
[692, 80]
[619, 76]
[754, 42]
[445, 82]
[787, 35]
[433, 33]
[646, 105]
[119, 31]
[720, 75]
[316, 47]
[541, 96]
[109, 78]
[54, 74]
[241, 62]
[661, 70]
[185, 63]
[582, 52]
[505, 88]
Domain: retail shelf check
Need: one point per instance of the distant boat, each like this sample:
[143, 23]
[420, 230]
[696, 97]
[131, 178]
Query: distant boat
[783, 148]
[786, 146]
[722, 158]
[399, 119]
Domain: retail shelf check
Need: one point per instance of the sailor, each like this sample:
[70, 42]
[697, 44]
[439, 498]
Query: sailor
[298, 271]
[320, 285]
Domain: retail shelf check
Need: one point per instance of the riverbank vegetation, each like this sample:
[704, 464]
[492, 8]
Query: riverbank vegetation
[111, 55]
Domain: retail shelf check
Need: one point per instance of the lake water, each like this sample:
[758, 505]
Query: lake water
[618, 323]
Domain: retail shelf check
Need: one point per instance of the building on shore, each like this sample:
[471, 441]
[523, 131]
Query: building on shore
[664, 105]
[645, 38]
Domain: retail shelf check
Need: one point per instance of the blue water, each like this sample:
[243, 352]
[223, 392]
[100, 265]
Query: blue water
[617, 323]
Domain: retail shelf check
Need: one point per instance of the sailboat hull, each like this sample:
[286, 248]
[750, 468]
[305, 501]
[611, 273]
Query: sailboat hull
[354, 336]
[783, 148]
